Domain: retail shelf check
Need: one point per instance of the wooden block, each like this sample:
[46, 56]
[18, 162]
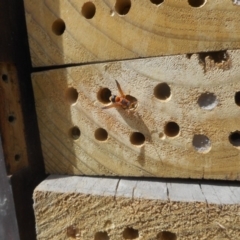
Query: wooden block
[105, 209]
[11, 124]
[78, 31]
[186, 124]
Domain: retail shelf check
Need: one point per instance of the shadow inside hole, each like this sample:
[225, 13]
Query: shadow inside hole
[237, 98]
[137, 138]
[101, 134]
[166, 235]
[101, 236]
[104, 95]
[130, 233]
[172, 129]
[196, 3]
[71, 95]
[122, 7]
[72, 231]
[162, 92]
[234, 138]
[58, 27]
[5, 77]
[17, 157]
[88, 10]
[207, 101]
[157, 2]
[75, 133]
[201, 143]
[11, 118]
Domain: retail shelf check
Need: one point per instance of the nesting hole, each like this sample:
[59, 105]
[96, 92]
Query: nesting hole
[201, 143]
[5, 77]
[130, 233]
[172, 129]
[137, 138]
[103, 95]
[162, 92]
[88, 10]
[216, 56]
[237, 98]
[122, 7]
[75, 133]
[157, 2]
[71, 95]
[196, 3]
[11, 118]
[17, 157]
[101, 236]
[207, 101]
[58, 27]
[234, 139]
[166, 235]
[101, 134]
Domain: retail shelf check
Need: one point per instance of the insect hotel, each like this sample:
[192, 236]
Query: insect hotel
[138, 111]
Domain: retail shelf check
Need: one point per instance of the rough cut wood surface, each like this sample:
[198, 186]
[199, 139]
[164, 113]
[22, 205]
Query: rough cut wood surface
[76, 31]
[192, 134]
[11, 124]
[87, 208]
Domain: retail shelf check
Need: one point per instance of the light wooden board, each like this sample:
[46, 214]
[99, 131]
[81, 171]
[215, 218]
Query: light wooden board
[172, 27]
[161, 155]
[87, 208]
[11, 124]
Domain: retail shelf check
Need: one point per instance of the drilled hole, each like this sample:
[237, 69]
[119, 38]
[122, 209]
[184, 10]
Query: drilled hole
[201, 143]
[130, 233]
[172, 129]
[88, 10]
[5, 77]
[101, 236]
[103, 95]
[101, 134]
[11, 118]
[17, 157]
[207, 101]
[58, 27]
[71, 95]
[162, 136]
[157, 2]
[162, 92]
[234, 139]
[165, 235]
[237, 98]
[137, 138]
[75, 133]
[196, 3]
[122, 7]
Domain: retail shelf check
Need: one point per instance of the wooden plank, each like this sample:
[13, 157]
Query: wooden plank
[69, 207]
[12, 126]
[77, 31]
[186, 124]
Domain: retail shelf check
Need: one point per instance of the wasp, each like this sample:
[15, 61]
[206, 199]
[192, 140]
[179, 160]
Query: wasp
[127, 102]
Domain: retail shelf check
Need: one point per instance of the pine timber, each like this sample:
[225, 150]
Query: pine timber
[76, 31]
[72, 207]
[203, 102]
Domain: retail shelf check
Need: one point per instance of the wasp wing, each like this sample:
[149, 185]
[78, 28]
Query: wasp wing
[120, 89]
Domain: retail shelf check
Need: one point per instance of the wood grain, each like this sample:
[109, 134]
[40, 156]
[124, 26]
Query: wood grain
[74, 207]
[11, 124]
[173, 27]
[201, 103]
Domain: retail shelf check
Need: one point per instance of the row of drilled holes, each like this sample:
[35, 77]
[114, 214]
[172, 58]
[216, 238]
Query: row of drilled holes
[131, 233]
[122, 7]
[162, 91]
[11, 118]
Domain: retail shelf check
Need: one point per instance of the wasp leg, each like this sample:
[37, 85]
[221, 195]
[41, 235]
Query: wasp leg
[120, 89]
[111, 106]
